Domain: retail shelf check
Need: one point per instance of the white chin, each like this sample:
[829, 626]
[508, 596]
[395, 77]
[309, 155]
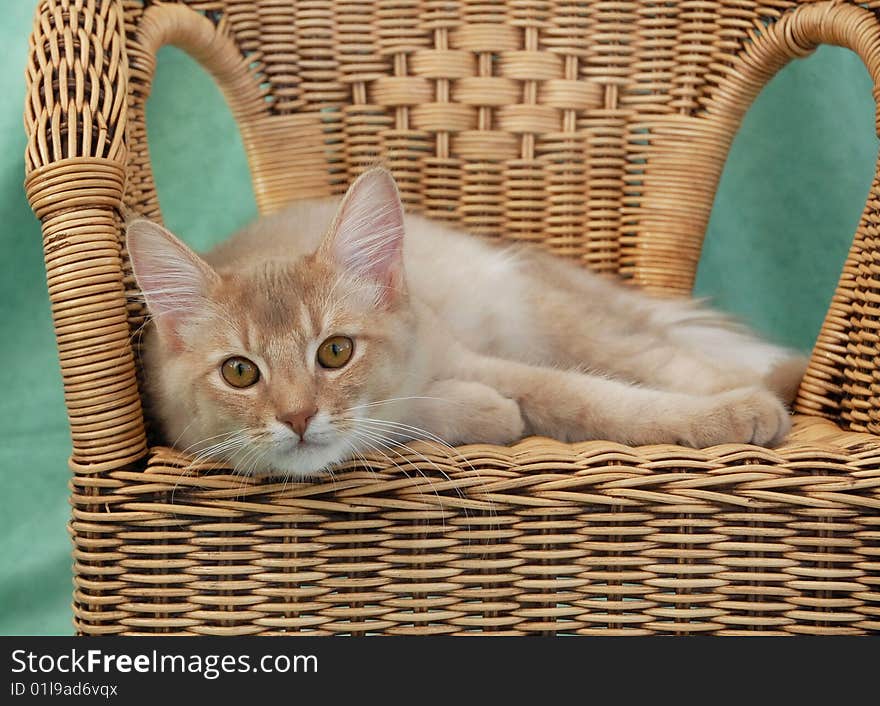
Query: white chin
[301, 461]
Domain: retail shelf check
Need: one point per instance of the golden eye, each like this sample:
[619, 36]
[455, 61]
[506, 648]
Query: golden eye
[335, 351]
[239, 372]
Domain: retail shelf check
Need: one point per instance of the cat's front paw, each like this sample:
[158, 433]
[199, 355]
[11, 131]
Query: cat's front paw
[743, 416]
[496, 419]
[475, 414]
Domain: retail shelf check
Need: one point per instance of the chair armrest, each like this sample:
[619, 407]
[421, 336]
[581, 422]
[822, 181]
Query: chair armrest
[842, 382]
[843, 378]
[75, 118]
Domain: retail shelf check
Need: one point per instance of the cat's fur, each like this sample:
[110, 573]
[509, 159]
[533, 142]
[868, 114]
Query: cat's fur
[455, 339]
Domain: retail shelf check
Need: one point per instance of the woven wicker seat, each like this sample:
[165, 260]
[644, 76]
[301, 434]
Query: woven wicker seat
[597, 129]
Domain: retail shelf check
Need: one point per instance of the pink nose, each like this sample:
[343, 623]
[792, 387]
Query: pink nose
[299, 420]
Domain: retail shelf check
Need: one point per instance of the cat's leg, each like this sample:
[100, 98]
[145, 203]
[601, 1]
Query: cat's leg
[700, 357]
[697, 358]
[464, 411]
[587, 322]
[739, 354]
[658, 362]
[684, 366]
[572, 406]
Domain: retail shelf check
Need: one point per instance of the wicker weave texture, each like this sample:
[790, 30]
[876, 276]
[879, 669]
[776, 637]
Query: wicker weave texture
[595, 129]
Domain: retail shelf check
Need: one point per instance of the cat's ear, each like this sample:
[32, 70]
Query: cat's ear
[174, 280]
[366, 238]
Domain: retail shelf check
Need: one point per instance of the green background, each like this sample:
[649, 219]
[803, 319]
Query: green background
[789, 201]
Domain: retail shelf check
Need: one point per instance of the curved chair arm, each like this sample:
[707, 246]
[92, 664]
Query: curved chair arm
[75, 117]
[843, 379]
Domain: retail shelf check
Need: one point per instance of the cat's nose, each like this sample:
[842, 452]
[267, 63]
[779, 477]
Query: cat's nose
[299, 420]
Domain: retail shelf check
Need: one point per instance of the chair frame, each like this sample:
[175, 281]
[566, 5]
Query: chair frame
[596, 129]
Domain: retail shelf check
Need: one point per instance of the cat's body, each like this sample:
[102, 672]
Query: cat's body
[454, 338]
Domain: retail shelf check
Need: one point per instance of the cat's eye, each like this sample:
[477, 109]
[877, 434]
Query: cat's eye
[335, 351]
[239, 372]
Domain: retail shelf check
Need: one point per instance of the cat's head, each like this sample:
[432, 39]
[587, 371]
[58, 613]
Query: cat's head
[268, 367]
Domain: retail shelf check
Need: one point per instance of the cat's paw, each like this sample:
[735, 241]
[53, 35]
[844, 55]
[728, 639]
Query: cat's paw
[494, 419]
[744, 416]
[479, 414]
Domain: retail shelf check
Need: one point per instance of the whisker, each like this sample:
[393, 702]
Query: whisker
[416, 432]
[408, 447]
[408, 431]
[398, 399]
[232, 439]
[358, 436]
[366, 438]
[360, 457]
[383, 435]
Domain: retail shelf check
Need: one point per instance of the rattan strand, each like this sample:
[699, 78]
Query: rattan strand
[595, 129]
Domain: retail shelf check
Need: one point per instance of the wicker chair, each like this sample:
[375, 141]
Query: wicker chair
[596, 128]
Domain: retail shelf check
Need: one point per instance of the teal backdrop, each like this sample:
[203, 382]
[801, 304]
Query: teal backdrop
[789, 200]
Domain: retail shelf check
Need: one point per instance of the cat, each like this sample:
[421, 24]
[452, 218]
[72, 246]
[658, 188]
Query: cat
[323, 331]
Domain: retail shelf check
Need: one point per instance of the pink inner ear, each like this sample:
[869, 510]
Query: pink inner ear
[368, 236]
[173, 279]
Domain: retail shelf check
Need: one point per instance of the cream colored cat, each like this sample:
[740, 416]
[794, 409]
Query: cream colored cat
[322, 331]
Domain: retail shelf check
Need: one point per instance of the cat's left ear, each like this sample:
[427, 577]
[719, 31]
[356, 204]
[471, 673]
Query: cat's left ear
[174, 280]
[366, 238]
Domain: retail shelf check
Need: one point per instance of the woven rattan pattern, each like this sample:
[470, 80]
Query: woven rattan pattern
[595, 129]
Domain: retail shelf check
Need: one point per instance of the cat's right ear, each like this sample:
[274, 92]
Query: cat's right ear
[174, 280]
[366, 237]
